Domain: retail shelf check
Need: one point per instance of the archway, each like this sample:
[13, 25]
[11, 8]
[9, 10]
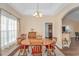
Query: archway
[70, 23]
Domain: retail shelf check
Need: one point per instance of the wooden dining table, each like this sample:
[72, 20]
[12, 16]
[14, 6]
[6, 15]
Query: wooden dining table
[36, 42]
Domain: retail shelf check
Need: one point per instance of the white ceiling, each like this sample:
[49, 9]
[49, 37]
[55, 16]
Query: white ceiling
[45, 8]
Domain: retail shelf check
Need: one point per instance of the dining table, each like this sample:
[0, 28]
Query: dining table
[32, 42]
[36, 42]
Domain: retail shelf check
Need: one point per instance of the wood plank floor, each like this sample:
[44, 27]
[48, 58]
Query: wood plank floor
[73, 50]
[57, 52]
[16, 52]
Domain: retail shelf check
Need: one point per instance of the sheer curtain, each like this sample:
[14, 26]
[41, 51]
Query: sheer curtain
[8, 29]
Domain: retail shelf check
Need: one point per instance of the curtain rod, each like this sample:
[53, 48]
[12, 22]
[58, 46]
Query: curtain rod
[9, 13]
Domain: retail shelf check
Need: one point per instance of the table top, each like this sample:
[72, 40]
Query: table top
[36, 42]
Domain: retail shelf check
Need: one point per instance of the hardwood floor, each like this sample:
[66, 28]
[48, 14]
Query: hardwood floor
[13, 52]
[73, 50]
[16, 51]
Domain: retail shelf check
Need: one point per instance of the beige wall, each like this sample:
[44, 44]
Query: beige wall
[29, 22]
[73, 24]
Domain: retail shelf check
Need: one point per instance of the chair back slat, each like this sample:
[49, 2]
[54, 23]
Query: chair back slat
[37, 50]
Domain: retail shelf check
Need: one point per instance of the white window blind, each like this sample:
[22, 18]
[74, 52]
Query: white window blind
[8, 29]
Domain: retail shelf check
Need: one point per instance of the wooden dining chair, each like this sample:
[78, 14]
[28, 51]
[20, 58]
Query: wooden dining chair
[32, 35]
[51, 48]
[23, 36]
[37, 50]
[48, 49]
[22, 48]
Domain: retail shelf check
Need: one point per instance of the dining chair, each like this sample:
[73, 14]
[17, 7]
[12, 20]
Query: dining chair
[50, 48]
[76, 35]
[32, 35]
[23, 49]
[23, 36]
[37, 50]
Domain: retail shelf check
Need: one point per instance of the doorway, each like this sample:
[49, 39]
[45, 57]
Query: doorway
[48, 30]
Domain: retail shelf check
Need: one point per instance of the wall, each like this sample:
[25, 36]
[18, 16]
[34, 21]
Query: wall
[0, 39]
[73, 24]
[38, 24]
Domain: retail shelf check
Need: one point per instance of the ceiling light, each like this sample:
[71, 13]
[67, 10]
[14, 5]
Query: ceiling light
[37, 13]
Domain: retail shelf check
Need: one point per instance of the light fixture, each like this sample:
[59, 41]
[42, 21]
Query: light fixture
[37, 13]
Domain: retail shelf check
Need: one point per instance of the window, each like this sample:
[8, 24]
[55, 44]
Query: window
[8, 30]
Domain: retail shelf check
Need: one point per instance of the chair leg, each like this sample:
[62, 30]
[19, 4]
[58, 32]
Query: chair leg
[78, 37]
[24, 52]
[19, 54]
[54, 53]
[48, 53]
[20, 51]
